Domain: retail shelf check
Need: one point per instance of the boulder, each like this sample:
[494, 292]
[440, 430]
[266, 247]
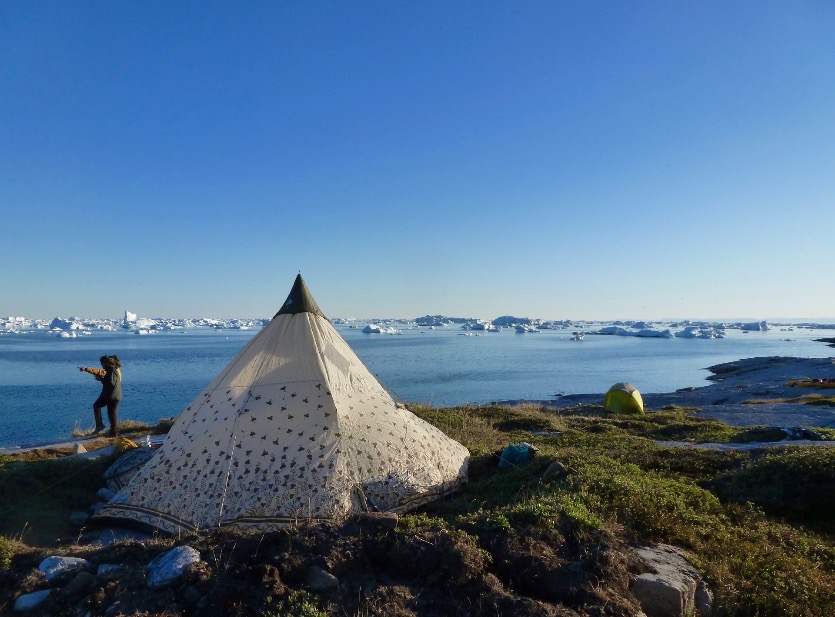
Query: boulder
[109, 570]
[704, 599]
[31, 601]
[105, 494]
[96, 507]
[674, 588]
[664, 595]
[55, 567]
[318, 580]
[171, 565]
[80, 585]
[387, 520]
[555, 470]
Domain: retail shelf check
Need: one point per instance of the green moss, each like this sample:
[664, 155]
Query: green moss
[7, 551]
[297, 604]
[759, 559]
[795, 483]
[38, 496]
[482, 520]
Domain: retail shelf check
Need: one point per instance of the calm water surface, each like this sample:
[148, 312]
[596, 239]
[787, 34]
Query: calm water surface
[43, 397]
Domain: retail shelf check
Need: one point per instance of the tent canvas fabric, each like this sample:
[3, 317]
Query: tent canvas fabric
[125, 467]
[295, 427]
[623, 398]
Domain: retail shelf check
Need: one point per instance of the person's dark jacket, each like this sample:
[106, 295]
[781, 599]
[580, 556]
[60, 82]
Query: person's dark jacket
[111, 384]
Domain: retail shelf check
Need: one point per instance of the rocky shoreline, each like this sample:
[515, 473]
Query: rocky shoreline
[746, 392]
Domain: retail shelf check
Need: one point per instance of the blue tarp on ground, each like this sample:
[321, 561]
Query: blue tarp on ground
[516, 455]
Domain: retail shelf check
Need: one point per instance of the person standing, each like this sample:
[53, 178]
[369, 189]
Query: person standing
[110, 376]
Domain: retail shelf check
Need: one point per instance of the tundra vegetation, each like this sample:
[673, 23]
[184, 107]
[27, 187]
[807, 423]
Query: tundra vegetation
[759, 525]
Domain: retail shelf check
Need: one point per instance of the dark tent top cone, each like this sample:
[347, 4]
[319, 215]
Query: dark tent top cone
[299, 301]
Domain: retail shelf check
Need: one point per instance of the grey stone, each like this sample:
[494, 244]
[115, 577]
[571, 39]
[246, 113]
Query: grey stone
[105, 494]
[96, 507]
[81, 584]
[662, 596]
[79, 519]
[56, 567]
[79, 449]
[30, 601]
[319, 580]
[555, 470]
[100, 453]
[109, 570]
[704, 599]
[379, 519]
[674, 588]
[171, 565]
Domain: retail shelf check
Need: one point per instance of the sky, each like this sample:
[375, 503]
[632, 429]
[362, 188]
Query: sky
[557, 160]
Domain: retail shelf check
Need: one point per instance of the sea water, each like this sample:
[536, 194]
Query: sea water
[44, 398]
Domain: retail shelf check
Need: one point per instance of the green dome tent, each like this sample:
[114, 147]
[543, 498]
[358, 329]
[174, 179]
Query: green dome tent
[623, 398]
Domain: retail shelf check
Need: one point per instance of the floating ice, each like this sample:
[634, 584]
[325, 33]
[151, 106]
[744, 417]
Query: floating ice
[374, 328]
[645, 333]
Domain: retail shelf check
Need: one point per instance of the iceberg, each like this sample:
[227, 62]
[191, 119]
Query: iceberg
[649, 333]
[65, 324]
[615, 331]
[526, 329]
[379, 329]
[707, 332]
[478, 324]
[755, 326]
[132, 322]
[645, 333]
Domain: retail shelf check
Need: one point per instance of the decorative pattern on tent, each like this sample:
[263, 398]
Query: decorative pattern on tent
[295, 427]
[126, 466]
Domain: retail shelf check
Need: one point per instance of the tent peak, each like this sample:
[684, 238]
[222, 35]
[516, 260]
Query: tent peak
[299, 300]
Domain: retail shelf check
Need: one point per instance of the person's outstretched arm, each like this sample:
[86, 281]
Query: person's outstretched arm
[98, 372]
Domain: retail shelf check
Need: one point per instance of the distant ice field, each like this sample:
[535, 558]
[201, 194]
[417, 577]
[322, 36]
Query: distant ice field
[43, 397]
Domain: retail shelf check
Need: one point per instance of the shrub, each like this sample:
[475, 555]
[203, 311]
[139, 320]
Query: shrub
[297, 604]
[795, 483]
[7, 551]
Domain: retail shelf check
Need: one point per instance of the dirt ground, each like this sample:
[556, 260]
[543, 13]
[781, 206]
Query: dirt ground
[379, 572]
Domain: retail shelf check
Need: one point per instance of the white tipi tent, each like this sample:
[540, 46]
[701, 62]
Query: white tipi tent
[295, 427]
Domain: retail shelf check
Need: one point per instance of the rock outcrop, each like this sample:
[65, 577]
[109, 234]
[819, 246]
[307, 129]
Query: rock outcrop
[673, 588]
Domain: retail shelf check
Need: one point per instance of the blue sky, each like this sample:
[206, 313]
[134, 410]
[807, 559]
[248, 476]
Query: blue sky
[562, 160]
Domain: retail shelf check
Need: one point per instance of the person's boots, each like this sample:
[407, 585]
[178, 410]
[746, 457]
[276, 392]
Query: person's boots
[99, 423]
